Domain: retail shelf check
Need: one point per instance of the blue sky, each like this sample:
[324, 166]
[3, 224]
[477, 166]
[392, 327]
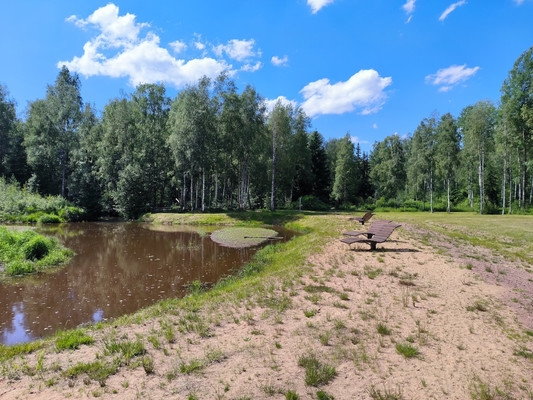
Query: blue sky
[370, 68]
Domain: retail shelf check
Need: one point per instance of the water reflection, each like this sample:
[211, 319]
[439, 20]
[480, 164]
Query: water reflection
[118, 269]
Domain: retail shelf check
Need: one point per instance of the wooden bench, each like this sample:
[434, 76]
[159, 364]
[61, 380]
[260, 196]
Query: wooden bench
[362, 219]
[378, 232]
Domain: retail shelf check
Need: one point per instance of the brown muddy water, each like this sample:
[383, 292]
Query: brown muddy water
[118, 269]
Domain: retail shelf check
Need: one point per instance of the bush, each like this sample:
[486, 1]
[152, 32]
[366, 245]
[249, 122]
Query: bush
[36, 249]
[49, 219]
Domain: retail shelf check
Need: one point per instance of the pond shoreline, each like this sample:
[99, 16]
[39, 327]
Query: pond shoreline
[353, 311]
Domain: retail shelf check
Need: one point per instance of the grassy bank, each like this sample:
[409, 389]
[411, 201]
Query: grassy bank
[131, 343]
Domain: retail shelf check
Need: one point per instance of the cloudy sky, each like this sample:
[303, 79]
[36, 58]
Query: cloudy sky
[370, 68]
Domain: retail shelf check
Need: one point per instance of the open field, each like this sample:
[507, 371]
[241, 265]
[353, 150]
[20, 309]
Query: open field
[443, 310]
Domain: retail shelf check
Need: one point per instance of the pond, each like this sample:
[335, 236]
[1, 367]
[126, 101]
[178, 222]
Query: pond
[118, 269]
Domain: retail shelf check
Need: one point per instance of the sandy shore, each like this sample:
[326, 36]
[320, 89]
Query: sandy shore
[464, 314]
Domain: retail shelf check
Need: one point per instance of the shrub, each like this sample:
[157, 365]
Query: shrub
[311, 203]
[49, 219]
[36, 248]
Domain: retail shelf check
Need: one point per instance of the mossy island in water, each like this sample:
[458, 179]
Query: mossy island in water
[243, 237]
[26, 252]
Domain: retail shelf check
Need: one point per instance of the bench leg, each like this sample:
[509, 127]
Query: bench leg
[373, 246]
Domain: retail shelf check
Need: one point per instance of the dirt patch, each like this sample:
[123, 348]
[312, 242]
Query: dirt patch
[356, 312]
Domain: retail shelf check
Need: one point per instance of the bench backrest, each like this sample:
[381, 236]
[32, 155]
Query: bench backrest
[367, 216]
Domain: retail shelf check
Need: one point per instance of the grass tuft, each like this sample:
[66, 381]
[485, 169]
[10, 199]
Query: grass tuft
[317, 373]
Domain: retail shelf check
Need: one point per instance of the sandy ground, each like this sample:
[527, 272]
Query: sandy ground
[466, 312]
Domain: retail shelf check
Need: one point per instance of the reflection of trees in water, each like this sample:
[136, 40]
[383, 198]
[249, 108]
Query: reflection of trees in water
[118, 268]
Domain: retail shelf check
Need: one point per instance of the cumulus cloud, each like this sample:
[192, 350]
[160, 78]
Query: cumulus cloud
[364, 92]
[316, 5]
[120, 50]
[448, 77]
[451, 9]
[239, 50]
[279, 61]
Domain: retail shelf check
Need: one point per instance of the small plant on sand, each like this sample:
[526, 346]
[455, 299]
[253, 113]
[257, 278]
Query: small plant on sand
[310, 313]
[127, 349]
[96, 370]
[407, 350]
[324, 338]
[192, 366]
[372, 273]
[321, 395]
[317, 373]
[480, 390]
[479, 305]
[383, 329]
[387, 394]
[292, 395]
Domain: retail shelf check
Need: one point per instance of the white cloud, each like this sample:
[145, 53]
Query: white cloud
[178, 46]
[518, 2]
[252, 67]
[448, 77]
[451, 9]
[279, 61]
[364, 91]
[316, 5]
[271, 103]
[119, 50]
[409, 6]
[239, 50]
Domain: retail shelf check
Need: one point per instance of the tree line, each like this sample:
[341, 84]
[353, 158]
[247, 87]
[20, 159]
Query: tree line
[215, 148]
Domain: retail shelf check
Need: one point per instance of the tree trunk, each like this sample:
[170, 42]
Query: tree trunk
[203, 189]
[448, 208]
[504, 183]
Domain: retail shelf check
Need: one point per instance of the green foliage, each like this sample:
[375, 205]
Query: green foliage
[311, 203]
[21, 205]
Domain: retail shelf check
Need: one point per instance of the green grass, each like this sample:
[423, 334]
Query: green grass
[97, 370]
[508, 235]
[72, 339]
[386, 394]
[9, 352]
[317, 373]
[127, 349]
[407, 350]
